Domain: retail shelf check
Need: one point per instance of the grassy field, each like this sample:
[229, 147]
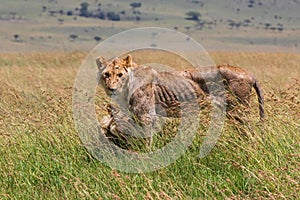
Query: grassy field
[38, 30]
[42, 156]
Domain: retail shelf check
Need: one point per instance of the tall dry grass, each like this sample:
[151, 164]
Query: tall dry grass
[42, 156]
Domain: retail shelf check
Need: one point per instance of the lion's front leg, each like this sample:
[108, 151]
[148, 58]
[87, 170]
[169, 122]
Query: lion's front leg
[122, 128]
[105, 124]
[117, 125]
[142, 105]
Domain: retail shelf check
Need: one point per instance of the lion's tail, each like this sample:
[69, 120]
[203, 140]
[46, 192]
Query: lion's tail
[260, 97]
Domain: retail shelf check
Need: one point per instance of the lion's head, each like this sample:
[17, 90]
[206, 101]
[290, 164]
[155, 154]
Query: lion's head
[113, 74]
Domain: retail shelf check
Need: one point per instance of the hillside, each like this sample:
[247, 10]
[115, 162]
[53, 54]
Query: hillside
[259, 25]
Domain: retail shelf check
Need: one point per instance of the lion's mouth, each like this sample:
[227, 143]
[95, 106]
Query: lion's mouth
[111, 91]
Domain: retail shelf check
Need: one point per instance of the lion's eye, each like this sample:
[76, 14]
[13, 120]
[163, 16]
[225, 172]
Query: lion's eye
[120, 75]
[106, 75]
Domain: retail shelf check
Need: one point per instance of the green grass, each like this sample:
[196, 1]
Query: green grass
[42, 156]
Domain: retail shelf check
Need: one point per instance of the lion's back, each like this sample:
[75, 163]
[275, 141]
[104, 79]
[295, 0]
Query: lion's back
[160, 89]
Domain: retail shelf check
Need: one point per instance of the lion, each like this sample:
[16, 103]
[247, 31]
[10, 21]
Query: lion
[238, 84]
[144, 93]
[147, 93]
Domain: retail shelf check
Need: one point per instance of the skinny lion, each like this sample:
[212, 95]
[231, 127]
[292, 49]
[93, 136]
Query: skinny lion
[146, 92]
[143, 92]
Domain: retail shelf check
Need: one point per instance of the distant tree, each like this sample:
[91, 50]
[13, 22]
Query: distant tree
[16, 37]
[44, 8]
[69, 13]
[101, 15]
[73, 37]
[136, 5]
[137, 12]
[231, 24]
[193, 15]
[84, 6]
[267, 25]
[280, 29]
[97, 38]
[52, 12]
[247, 22]
[113, 16]
[83, 11]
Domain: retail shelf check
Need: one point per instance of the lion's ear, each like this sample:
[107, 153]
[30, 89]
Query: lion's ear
[100, 61]
[128, 60]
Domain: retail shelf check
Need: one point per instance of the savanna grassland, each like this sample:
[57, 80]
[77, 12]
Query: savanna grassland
[67, 25]
[42, 156]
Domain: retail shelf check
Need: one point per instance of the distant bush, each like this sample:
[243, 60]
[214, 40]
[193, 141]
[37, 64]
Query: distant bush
[44, 8]
[16, 37]
[83, 11]
[73, 37]
[97, 38]
[69, 13]
[101, 15]
[113, 16]
[193, 15]
[136, 5]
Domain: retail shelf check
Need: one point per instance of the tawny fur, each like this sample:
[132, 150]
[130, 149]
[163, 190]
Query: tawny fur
[147, 92]
[238, 83]
[144, 91]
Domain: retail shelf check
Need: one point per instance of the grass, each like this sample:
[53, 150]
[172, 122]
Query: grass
[38, 30]
[43, 158]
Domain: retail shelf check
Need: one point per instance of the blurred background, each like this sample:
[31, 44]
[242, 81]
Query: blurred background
[65, 25]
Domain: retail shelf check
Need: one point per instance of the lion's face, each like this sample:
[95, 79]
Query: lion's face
[114, 74]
